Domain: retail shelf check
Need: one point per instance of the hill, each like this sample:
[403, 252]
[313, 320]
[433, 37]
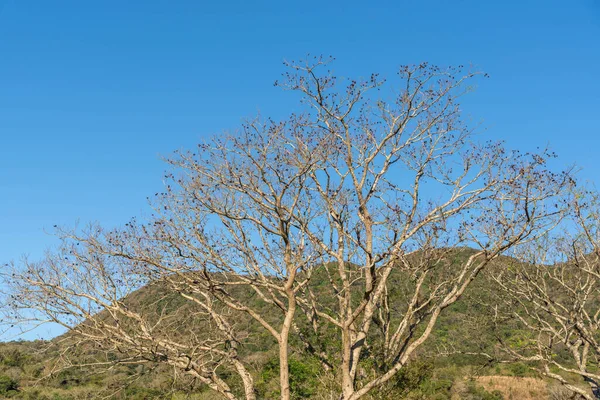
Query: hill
[452, 365]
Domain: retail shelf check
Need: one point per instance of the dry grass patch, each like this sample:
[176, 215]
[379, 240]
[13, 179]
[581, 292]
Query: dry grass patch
[515, 388]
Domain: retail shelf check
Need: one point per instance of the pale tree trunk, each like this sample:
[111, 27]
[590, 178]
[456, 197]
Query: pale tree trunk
[284, 367]
[347, 379]
[247, 380]
[284, 370]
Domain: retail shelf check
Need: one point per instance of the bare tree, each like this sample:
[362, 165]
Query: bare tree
[110, 322]
[355, 188]
[227, 229]
[552, 291]
[403, 185]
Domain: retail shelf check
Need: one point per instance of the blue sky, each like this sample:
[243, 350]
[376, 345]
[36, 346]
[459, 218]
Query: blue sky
[93, 93]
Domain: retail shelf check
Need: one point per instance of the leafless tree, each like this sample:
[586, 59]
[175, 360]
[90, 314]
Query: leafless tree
[95, 296]
[551, 289]
[403, 185]
[357, 186]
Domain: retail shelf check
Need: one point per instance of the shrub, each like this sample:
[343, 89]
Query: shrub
[518, 369]
[8, 386]
[303, 378]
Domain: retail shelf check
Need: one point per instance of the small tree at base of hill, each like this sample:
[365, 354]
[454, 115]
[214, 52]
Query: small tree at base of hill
[551, 288]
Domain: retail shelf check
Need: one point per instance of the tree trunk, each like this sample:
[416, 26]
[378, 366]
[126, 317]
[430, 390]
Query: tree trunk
[347, 379]
[284, 370]
[284, 367]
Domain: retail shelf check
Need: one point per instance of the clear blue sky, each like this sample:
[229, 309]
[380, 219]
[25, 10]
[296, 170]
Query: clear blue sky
[93, 92]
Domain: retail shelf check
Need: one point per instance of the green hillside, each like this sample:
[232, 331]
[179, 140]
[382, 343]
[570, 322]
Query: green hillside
[447, 366]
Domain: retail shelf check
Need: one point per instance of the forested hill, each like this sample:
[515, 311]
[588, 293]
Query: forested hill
[460, 361]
